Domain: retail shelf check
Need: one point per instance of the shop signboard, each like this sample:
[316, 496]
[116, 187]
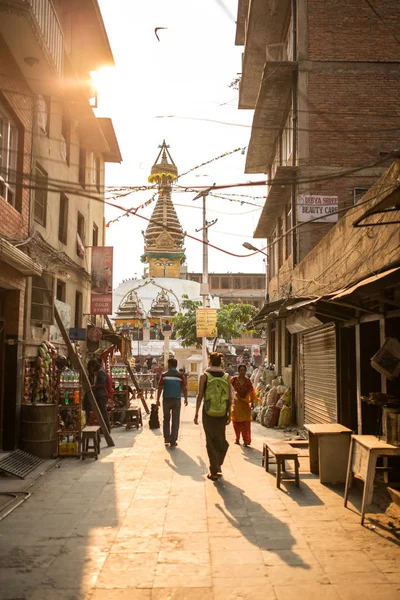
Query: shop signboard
[206, 322]
[319, 209]
[102, 267]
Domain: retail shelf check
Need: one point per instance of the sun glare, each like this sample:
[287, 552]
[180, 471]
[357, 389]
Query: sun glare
[103, 78]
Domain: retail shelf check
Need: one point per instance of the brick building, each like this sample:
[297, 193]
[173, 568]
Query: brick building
[248, 288]
[323, 79]
[53, 155]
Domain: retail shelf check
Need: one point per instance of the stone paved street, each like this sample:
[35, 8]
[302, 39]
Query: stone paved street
[145, 523]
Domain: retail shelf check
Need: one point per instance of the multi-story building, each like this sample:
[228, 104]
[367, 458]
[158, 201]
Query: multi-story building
[232, 288]
[323, 78]
[53, 154]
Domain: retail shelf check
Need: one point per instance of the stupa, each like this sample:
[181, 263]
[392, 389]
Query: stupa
[145, 306]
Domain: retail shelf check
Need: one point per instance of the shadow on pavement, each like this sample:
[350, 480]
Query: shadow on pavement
[304, 495]
[277, 537]
[184, 465]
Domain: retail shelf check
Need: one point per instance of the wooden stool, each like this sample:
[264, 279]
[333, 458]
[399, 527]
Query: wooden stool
[133, 418]
[281, 451]
[90, 433]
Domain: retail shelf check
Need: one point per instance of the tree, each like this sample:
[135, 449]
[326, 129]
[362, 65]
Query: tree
[231, 321]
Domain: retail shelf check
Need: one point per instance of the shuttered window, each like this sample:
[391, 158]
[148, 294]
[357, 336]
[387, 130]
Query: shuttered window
[320, 375]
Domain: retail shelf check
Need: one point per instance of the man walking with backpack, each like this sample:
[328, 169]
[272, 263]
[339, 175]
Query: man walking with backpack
[215, 389]
[172, 384]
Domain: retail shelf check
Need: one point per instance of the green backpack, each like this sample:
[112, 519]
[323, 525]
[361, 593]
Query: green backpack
[217, 395]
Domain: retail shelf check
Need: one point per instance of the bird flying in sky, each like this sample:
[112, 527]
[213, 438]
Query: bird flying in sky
[157, 29]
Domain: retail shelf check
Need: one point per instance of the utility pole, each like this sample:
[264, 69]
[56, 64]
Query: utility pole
[205, 287]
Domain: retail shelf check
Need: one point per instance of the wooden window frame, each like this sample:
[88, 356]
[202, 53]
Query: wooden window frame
[41, 177]
[63, 219]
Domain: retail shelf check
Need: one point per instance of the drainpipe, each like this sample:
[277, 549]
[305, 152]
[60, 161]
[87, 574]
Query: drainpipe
[294, 125]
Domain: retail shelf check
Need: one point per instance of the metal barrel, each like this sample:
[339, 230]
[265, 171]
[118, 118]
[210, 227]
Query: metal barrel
[38, 433]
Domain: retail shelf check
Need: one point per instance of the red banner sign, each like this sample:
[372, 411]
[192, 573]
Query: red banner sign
[102, 266]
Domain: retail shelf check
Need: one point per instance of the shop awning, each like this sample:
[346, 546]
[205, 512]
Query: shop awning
[272, 310]
[18, 259]
[364, 282]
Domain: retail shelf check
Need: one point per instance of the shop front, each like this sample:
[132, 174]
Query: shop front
[15, 267]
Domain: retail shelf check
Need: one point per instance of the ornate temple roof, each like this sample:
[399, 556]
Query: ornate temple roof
[131, 307]
[164, 233]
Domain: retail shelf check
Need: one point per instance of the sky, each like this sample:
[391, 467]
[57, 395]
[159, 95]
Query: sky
[176, 89]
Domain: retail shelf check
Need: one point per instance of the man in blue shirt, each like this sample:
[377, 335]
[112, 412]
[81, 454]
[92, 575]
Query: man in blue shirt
[172, 384]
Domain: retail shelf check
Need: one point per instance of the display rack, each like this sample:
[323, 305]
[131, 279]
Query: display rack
[120, 399]
[69, 430]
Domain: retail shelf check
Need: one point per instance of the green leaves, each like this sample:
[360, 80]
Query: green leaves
[231, 321]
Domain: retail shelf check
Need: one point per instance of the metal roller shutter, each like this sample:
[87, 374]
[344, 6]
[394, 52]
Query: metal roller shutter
[319, 375]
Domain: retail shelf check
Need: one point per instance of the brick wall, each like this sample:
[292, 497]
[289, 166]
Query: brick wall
[349, 30]
[354, 115]
[18, 100]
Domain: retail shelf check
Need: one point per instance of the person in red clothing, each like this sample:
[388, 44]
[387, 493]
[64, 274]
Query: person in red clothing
[241, 406]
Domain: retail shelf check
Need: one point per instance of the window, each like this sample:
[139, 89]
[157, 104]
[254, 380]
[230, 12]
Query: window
[42, 299]
[272, 262]
[80, 245]
[96, 171]
[95, 237]
[237, 283]
[82, 167]
[66, 138]
[214, 283]
[43, 106]
[78, 309]
[61, 290]
[288, 236]
[288, 348]
[280, 242]
[40, 201]
[63, 219]
[8, 158]
[225, 283]
[358, 193]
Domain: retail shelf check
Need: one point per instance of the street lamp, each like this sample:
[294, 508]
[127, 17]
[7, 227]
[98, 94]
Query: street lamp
[249, 246]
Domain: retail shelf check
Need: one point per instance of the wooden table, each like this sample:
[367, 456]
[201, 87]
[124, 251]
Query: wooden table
[364, 451]
[329, 451]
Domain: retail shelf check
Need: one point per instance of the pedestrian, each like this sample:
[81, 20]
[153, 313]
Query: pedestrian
[249, 369]
[99, 388]
[149, 362]
[230, 370]
[215, 390]
[243, 399]
[172, 385]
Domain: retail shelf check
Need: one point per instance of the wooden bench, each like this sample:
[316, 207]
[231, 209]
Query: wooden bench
[281, 451]
[134, 418]
[90, 433]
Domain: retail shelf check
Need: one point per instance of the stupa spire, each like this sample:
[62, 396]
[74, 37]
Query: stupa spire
[164, 235]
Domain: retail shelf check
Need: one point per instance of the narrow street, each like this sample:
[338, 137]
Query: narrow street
[143, 522]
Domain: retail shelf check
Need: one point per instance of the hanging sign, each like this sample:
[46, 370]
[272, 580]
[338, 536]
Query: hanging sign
[323, 207]
[206, 322]
[102, 266]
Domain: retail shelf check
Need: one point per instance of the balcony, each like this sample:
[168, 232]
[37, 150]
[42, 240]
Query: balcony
[32, 31]
[264, 27]
[278, 197]
[270, 115]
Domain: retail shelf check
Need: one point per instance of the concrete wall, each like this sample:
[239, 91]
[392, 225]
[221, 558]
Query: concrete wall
[348, 254]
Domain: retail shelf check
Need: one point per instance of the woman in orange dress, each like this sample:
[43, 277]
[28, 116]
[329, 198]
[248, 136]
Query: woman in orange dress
[241, 406]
